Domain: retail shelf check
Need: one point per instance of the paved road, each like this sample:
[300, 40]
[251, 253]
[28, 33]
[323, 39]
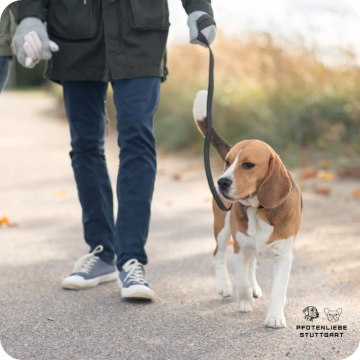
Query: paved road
[188, 320]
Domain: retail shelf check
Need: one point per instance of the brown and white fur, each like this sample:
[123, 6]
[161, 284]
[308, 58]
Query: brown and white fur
[264, 219]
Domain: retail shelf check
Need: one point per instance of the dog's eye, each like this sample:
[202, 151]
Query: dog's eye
[227, 162]
[247, 165]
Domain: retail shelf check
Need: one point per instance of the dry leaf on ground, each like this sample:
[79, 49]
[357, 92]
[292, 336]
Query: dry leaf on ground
[353, 173]
[308, 174]
[322, 191]
[49, 318]
[4, 223]
[176, 176]
[325, 175]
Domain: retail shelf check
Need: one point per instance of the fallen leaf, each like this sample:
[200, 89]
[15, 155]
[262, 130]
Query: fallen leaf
[353, 173]
[325, 175]
[322, 191]
[356, 194]
[308, 174]
[4, 220]
[59, 193]
[49, 318]
[176, 176]
[4, 223]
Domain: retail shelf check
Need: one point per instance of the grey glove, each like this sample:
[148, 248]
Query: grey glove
[31, 42]
[209, 32]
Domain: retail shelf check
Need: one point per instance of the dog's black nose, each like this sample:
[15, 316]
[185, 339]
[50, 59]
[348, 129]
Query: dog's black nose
[224, 183]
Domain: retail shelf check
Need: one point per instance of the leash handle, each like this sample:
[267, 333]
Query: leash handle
[203, 22]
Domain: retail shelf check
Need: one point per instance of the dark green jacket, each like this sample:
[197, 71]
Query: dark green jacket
[5, 29]
[106, 40]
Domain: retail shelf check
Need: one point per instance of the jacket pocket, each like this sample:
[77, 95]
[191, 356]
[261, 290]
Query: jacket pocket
[150, 14]
[72, 19]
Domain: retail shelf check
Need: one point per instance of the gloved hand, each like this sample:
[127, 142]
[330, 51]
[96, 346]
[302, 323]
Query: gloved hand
[31, 42]
[209, 32]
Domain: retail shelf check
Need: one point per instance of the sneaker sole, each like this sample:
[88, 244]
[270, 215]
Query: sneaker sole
[136, 292]
[77, 284]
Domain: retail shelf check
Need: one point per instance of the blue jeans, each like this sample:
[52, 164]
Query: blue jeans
[136, 101]
[4, 70]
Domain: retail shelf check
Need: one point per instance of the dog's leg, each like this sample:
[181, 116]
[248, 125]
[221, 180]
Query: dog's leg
[244, 291]
[223, 283]
[281, 272]
[252, 277]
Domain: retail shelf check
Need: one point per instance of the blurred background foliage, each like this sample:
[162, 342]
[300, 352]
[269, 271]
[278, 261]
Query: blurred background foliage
[276, 91]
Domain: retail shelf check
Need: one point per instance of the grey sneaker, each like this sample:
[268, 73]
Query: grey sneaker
[133, 283]
[90, 271]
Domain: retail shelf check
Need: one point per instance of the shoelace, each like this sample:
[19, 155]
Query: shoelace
[135, 271]
[87, 262]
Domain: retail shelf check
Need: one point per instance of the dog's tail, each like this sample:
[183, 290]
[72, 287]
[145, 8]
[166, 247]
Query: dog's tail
[199, 111]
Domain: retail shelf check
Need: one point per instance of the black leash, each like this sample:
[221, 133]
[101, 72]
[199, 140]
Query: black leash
[203, 22]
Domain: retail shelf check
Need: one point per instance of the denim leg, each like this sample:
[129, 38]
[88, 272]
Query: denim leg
[136, 101]
[85, 108]
[4, 70]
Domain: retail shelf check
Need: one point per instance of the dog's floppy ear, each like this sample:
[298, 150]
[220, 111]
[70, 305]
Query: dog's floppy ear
[276, 186]
[339, 311]
[306, 311]
[326, 311]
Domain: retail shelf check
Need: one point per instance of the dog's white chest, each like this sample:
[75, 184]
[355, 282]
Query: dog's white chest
[259, 233]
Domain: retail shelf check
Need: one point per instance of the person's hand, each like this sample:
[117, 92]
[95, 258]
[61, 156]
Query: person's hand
[209, 32]
[31, 42]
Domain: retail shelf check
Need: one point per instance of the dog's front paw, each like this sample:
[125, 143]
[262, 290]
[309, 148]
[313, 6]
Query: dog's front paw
[275, 320]
[256, 291]
[245, 305]
[224, 288]
[223, 283]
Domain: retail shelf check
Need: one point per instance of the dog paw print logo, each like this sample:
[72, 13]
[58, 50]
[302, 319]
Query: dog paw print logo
[333, 315]
[311, 313]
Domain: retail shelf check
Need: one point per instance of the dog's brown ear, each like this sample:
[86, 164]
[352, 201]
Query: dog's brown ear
[306, 311]
[276, 186]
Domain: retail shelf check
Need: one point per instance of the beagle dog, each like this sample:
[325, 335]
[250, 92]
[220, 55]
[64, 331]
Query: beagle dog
[264, 219]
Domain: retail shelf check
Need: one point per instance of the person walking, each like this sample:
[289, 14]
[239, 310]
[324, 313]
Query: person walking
[5, 43]
[89, 43]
